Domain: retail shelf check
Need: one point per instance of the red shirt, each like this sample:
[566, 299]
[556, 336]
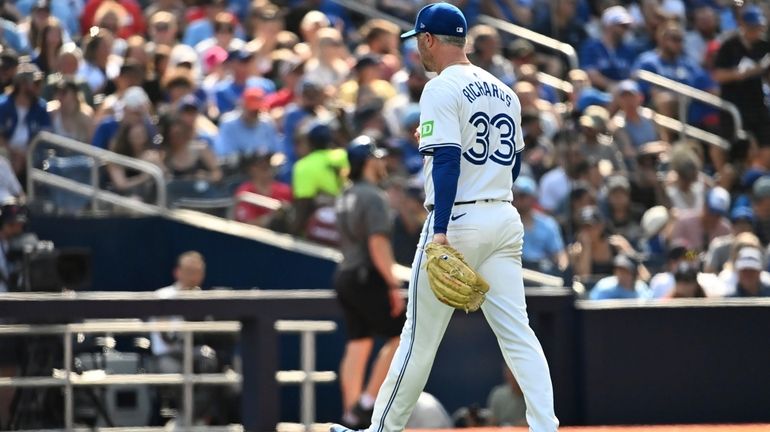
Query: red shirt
[245, 212]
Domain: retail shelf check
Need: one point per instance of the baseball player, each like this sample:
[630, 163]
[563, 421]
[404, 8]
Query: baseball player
[471, 137]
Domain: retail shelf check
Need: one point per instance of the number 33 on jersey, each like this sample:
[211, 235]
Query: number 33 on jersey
[468, 107]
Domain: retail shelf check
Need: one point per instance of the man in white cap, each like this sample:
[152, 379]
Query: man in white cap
[608, 59]
[749, 265]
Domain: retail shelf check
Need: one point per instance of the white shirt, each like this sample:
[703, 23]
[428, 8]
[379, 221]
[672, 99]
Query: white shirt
[20, 137]
[555, 185]
[467, 107]
[158, 345]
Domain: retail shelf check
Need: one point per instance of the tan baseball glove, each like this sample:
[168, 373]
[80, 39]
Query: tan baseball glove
[452, 280]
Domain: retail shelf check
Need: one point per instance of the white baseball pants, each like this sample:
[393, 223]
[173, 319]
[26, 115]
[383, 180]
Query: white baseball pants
[490, 236]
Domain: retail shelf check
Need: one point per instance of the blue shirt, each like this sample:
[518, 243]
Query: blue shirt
[238, 138]
[613, 64]
[37, 118]
[203, 29]
[228, 94]
[542, 239]
[682, 70]
[10, 35]
[608, 288]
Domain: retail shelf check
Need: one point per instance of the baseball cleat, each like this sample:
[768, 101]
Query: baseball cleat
[340, 428]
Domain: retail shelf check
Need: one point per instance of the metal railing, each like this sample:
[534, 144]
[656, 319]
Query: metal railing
[534, 37]
[69, 380]
[687, 94]
[258, 200]
[92, 190]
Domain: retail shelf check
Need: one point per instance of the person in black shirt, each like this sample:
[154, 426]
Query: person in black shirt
[740, 65]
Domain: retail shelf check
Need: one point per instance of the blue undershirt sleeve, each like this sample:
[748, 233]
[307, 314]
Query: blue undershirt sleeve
[446, 172]
[516, 166]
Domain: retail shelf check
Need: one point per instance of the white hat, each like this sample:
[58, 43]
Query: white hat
[653, 220]
[616, 15]
[135, 97]
[718, 201]
[749, 258]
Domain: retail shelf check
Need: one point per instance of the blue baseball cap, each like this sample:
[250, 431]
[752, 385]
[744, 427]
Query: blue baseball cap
[525, 186]
[753, 16]
[363, 148]
[439, 19]
[743, 212]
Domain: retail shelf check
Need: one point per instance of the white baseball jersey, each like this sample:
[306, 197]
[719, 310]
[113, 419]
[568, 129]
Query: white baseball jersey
[468, 107]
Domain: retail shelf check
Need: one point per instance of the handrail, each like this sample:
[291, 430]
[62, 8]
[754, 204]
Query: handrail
[258, 200]
[689, 92]
[533, 37]
[689, 130]
[100, 156]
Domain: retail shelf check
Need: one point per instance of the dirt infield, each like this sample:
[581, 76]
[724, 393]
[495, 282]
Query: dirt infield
[670, 428]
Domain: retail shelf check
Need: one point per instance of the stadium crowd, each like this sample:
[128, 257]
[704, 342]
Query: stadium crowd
[237, 97]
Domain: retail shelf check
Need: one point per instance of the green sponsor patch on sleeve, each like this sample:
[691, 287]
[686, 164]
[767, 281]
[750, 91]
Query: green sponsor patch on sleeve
[426, 129]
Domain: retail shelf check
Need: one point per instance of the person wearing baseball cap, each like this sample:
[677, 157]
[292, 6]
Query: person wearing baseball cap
[608, 59]
[623, 284]
[718, 253]
[543, 249]
[749, 265]
[16, 132]
[741, 63]
[247, 131]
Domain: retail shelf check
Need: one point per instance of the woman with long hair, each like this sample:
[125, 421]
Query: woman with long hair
[47, 46]
[186, 157]
[71, 117]
[133, 140]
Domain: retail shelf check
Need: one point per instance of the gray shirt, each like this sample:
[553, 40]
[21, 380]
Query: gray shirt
[362, 211]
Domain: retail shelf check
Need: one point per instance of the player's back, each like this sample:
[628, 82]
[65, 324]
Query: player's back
[468, 106]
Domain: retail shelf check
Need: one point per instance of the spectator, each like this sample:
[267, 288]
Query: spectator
[11, 37]
[543, 245]
[163, 28]
[539, 151]
[591, 255]
[70, 115]
[530, 100]
[66, 67]
[367, 85]
[266, 22]
[624, 284]
[97, 66]
[247, 131]
[595, 141]
[506, 402]
[622, 215]
[132, 140]
[129, 20]
[686, 283]
[655, 225]
[555, 185]
[201, 29]
[670, 61]
[318, 174]
[23, 114]
[749, 265]
[718, 253]
[261, 180]
[14, 217]
[229, 91]
[562, 23]
[288, 72]
[10, 188]
[760, 203]
[608, 59]
[662, 284]
[407, 143]
[686, 186]
[486, 53]
[740, 65]
[309, 106]
[697, 229]
[134, 107]
[705, 29]
[633, 129]
[224, 36]
[409, 84]
[9, 62]
[647, 180]
[328, 65]
[31, 28]
[188, 158]
[47, 46]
